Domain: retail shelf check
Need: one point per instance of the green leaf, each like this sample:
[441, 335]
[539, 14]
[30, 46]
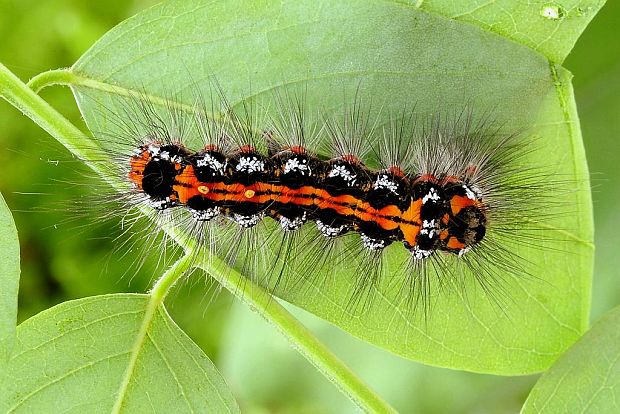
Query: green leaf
[586, 379]
[547, 26]
[9, 281]
[399, 56]
[77, 357]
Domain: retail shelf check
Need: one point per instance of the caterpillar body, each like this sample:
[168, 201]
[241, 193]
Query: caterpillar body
[452, 193]
[424, 212]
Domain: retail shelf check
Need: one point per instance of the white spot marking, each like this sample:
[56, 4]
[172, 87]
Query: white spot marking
[210, 161]
[344, 173]
[432, 195]
[464, 251]
[290, 225]
[329, 231]
[159, 204]
[384, 182]
[420, 254]
[293, 164]
[469, 193]
[204, 215]
[154, 150]
[429, 227]
[250, 165]
[247, 221]
[371, 243]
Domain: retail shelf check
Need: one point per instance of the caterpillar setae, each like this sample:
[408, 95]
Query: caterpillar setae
[289, 196]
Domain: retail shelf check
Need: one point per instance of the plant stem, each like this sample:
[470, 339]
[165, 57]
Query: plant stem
[30, 104]
[297, 334]
[79, 144]
[27, 101]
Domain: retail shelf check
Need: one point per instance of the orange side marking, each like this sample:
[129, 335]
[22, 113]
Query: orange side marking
[454, 243]
[137, 165]
[410, 216]
[457, 203]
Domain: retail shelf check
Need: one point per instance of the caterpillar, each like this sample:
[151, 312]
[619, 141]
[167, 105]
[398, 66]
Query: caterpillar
[292, 186]
[446, 194]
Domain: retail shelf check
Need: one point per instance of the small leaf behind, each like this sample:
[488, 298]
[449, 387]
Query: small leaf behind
[586, 379]
[73, 358]
[9, 281]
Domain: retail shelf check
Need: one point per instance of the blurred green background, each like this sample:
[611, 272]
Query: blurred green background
[64, 259]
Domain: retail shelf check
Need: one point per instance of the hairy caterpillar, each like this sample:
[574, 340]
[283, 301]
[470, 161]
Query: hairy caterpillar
[434, 196]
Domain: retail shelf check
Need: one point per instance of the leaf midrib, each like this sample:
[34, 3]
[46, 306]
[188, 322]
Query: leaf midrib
[149, 314]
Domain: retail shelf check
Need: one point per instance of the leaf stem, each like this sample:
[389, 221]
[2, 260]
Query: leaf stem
[27, 101]
[297, 334]
[49, 78]
[68, 78]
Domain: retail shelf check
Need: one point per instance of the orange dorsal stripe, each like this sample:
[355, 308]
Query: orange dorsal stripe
[388, 218]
